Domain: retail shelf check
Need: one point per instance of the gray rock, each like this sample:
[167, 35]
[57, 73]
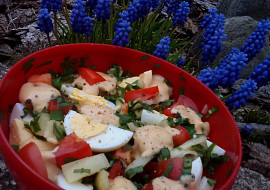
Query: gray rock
[3, 24]
[4, 48]
[259, 9]
[206, 4]
[6, 3]
[264, 91]
[250, 180]
[20, 17]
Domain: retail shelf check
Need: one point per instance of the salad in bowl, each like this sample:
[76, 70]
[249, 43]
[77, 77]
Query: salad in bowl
[96, 120]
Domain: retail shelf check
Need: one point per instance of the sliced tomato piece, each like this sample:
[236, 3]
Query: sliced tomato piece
[72, 147]
[44, 78]
[182, 137]
[148, 187]
[90, 76]
[143, 94]
[53, 105]
[182, 100]
[124, 155]
[31, 155]
[155, 169]
[116, 170]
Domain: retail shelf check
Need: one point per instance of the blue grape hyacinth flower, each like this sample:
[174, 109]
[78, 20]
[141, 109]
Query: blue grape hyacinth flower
[122, 27]
[91, 3]
[180, 63]
[88, 26]
[103, 10]
[77, 17]
[229, 69]
[143, 7]
[173, 6]
[240, 96]
[261, 74]
[248, 130]
[209, 77]
[163, 48]
[208, 18]
[213, 38]
[181, 15]
[132, 12]
[51, 5]
[45, 21]
[256, 41]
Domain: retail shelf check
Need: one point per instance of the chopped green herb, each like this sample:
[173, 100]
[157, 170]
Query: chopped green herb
[199, 149]
[182, 78]
[229, 171]
[187, 163]
[68, 160]
[211, 182]
[179, 148]
[82, 170]
[186, 171]
[157, 66]
[63, 103]
[133, 171]
[58, 131]
[200, 115]
[138, 185]
[181, 90]
[211, 111]
[43, 64]
[168, 169]
[164, 154]
[168, 83]
[210, 149]
[28, 65]
[116, 71]
[3, 113]
[92, 67]
[144, 57]
[15, 147]
[56, 115]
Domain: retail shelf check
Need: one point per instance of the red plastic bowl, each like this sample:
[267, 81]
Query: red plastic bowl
[224, 130]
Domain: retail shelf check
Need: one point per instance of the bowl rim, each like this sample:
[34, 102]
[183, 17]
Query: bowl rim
[4, 140]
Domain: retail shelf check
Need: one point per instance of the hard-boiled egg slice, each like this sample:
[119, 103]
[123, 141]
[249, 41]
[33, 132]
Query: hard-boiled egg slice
[152, 118]
[109, 140]
[61, 182]
[83, 97]
[204, 185]
[196, 170]
[83, 126]
[17, 112]
[216, 150]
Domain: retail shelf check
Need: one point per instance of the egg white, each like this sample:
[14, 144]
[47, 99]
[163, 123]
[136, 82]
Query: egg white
[110, 139]
[17, 112]
[61, 182]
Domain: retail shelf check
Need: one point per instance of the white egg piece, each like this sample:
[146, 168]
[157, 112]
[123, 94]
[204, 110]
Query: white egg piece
[197, 171]
[204, 185]
[61, 182]
[17, 112]
[111, 139]
[216, 150]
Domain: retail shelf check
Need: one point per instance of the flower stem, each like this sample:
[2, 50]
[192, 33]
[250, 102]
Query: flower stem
[49, 40]
[188, 66]
[56, 30]
[224, 98]
[141, 34]
[102, 31]
[64, 7]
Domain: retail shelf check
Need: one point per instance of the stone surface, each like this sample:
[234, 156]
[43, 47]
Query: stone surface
[4, 48]
[250, 180]
[206, 4]
[3, 24]
[257, 9]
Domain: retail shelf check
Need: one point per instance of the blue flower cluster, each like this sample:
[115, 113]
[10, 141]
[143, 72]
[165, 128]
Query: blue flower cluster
[143, 7]
[213, 38]
[240, 96]
[180, 63]
[209, 77]
[248, 130]
[51, 5]
[230, 67]
[91, 3]
[261, 74]
[103, 10]
[80, 22]
[155, 4]
[132, 12]
[181, 15]
[163, 48]
[45, 21]
[208, 17]
[122, 28]
[173, 7]
[256, 41]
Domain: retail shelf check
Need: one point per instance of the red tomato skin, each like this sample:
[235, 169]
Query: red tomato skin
[90, 76]
[182, 100]
[144, 94]
[72, 147]
[148, 187]
[155, 169]
[123, 155]
[53, 105]
[116, 170]
[43, 78]
[182, 137]
[31, 155]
